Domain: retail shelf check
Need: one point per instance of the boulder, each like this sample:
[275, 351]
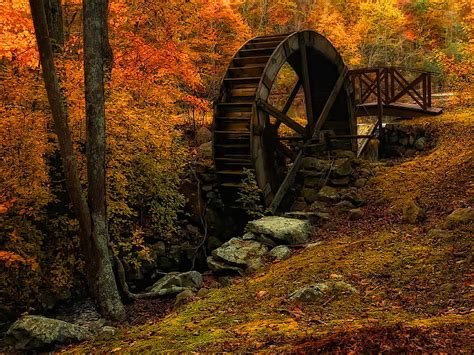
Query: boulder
[284, 230]
[280, 252]
[312, 217]
[322, 291]
[310, 163]
[203, 292]
[342, 181]
[310, 194]
[355, 213]
[183, 298]
[157, 249]
[309, 293]
[219, 267]
[411, 212]
[205, 150]
[175, 282]
[203, 135]
[318, 206]
[364, 172]
[249, 236]
[420, 143]
[37, 332]
[241, 253]
[107, 332]
[314, 181]
[328, 194]
[354, 198]
[341, 168]
[460, 216]
[440, 234]
[344, 205]
[404, 140]
[361, 182]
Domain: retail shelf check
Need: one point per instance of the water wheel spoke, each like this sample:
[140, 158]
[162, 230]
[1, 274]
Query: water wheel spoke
[330, 102]
[273, 111]
[290, 100]
[287, 182]
[283, 149]
[306, 84]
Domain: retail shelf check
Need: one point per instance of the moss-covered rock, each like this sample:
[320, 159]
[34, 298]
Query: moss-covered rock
[37, 332]
[460, 216]
[285, 230]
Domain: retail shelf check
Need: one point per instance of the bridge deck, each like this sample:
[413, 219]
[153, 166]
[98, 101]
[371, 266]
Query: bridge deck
[396, 109]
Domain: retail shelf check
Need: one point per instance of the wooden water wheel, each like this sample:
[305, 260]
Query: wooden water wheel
[246, 123]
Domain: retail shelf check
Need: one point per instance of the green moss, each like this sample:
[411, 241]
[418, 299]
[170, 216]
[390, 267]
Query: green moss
[403, 274]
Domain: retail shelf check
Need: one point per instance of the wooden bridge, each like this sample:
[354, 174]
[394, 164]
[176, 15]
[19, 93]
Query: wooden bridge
[392, 91]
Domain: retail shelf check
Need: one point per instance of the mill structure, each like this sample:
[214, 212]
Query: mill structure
[247, 122]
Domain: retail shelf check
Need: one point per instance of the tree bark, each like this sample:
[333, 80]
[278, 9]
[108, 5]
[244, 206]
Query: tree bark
[60, 118]
[101, 276]
[54, 18]
[92, 221]
[106, 48]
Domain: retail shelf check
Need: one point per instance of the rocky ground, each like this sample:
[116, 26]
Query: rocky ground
[388, 271]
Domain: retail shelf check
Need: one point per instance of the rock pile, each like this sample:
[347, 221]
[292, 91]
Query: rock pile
[332, 181]
[265, 238]
[403, 140]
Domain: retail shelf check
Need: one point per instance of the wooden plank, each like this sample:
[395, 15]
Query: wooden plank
[271, 110]
[306, 84]
[330, 101]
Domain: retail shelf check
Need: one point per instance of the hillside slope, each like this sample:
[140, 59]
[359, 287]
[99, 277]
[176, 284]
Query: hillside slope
[415, 285]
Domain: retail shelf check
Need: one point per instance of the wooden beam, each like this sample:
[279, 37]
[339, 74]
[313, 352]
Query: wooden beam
[292, 96]
[306, 83]
[271, 110]
[285, 150]
[287, 182]
[330, 101]
[290, 100]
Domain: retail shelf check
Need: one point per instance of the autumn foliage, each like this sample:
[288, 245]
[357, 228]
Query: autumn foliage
[169, 57]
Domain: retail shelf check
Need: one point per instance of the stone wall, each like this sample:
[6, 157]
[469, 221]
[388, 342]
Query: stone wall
[330, 179]
[402, 140]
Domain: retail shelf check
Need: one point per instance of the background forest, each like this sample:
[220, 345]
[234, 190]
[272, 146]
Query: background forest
[168, 59]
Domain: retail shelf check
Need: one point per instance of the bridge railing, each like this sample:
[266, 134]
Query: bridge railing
[388, 85]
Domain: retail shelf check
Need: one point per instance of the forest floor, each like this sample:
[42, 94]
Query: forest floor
[415, 286]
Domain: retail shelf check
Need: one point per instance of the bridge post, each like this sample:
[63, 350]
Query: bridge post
[379, 102]
[429, 88]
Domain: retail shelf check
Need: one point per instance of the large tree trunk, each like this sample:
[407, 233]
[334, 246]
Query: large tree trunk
[93, 231]
[102, 280]
[58, 110]
[54, 18]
